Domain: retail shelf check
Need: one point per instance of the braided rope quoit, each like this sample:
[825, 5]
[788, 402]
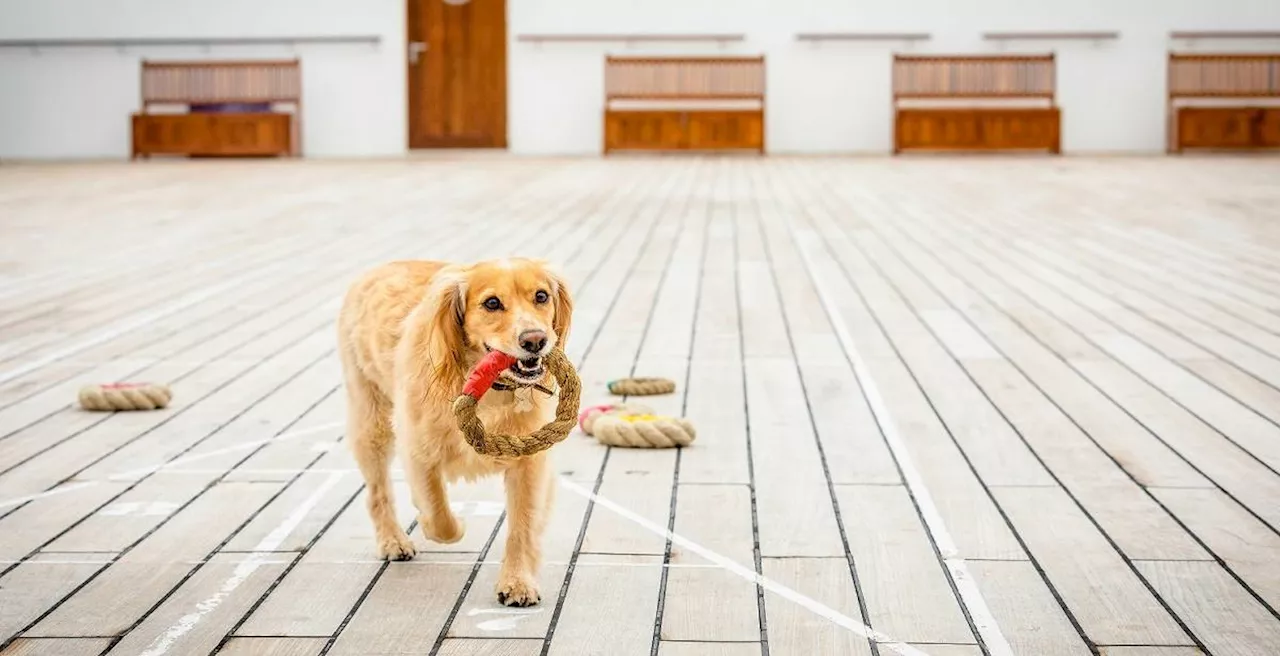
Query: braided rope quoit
[511, 446]
[641, 386]
[125, 396]
[635, 426]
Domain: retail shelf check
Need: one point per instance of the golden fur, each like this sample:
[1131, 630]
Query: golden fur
[408, 334]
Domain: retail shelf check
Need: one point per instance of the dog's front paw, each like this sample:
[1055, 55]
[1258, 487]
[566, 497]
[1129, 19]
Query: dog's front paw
[445, 530]
[396, 546]
[515, 590]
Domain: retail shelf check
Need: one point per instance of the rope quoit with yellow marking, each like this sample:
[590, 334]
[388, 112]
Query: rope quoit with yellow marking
[635, 426]
[125, 396]
[483, 376]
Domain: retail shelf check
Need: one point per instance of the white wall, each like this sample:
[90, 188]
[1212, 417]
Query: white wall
[75, 103]
[828, 98]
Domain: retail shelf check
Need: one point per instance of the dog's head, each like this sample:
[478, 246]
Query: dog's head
[518, 306]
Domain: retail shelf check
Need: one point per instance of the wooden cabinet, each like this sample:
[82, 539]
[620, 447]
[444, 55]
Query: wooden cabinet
[978, 129]
[675, 130]
[1228, 128]
[247, 134]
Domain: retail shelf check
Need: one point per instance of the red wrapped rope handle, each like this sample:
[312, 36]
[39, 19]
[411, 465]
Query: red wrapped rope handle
[485, 373]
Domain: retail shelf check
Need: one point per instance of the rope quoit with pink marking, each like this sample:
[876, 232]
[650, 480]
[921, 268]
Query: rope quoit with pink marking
[483, 376]
[111, 397]
[635, 426]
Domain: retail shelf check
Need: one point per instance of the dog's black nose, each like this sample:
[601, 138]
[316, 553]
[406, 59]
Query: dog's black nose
[533, 341]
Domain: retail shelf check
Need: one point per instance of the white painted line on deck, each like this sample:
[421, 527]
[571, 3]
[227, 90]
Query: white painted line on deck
[970, 595]
[509, 618]
[812, 605]
[47, 493]
[261, 554]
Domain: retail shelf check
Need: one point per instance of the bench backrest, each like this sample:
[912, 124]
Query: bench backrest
[185, 83]
[974, 77]
[1224, 75]
[684, 78]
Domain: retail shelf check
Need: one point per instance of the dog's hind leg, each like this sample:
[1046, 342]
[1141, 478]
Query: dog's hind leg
[372, 443]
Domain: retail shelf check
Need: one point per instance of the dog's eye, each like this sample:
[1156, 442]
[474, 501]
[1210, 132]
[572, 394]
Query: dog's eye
[541, 297]
[492, 304]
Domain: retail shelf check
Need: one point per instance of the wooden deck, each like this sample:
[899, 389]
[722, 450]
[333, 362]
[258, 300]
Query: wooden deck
[946, 407]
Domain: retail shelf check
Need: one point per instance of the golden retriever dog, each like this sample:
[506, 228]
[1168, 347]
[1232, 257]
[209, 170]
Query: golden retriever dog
[409, 333]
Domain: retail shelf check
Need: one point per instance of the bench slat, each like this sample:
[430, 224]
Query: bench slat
[221, 82]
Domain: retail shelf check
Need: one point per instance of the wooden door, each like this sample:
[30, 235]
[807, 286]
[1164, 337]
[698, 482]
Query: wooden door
[457, 73]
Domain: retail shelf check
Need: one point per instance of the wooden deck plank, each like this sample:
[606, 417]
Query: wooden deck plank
[30, 527]
[1216, 609]
[716, 394]
[33, 587]
[273, 647]
[405, 609]
[1024, 607]
[203, 609]
[795, 631]
[1249, 548]
[1105, 596]
[905, 587]
[703, 603]
[57, 647]
[125, 590]
[1120, 504]
[314, 598]
[1229, 466]
[628, 595]
[1149, 651]
[668, 648]
[796, 514]
[490, 647]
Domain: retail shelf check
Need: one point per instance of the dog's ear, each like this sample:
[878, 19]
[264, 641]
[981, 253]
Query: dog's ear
[564, 306]
[446, 345]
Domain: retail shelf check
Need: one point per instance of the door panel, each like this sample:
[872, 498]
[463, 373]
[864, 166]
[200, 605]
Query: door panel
[1269, 128]
[712, 130]
[457, 73]
[1216, 127]
[644, 130]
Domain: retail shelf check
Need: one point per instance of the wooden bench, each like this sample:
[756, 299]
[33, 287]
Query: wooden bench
[219, 108]
[684, 103]
[975, 103]
[1224, 102]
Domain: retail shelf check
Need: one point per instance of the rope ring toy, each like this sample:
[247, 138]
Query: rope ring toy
[641, 386]
[635, 426]
[484, 375]
[124, 396]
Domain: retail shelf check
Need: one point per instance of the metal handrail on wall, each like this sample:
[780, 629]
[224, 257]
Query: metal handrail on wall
[37, 45]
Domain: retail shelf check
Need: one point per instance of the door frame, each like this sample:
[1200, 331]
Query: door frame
[505, 136]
